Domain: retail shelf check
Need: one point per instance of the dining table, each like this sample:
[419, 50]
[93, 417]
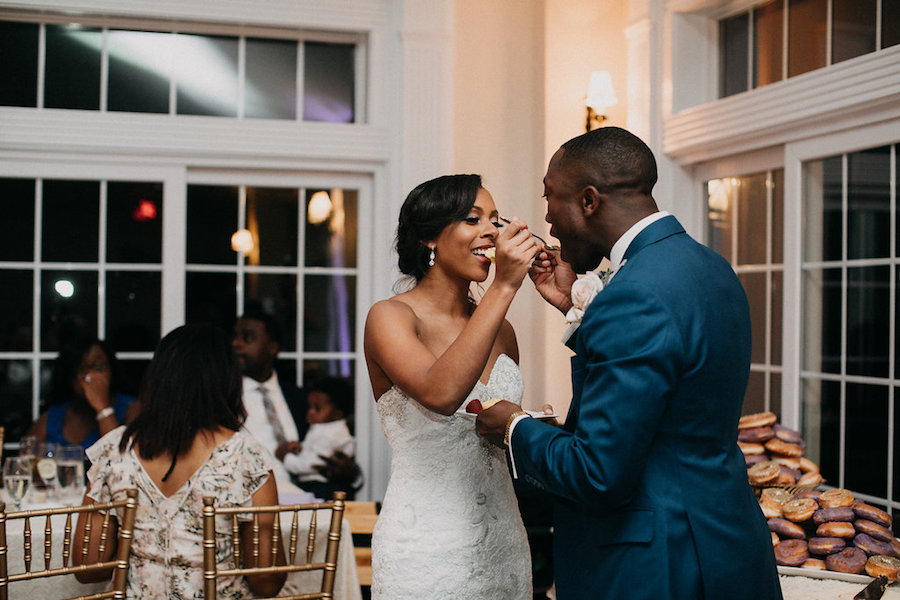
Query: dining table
[346, 585]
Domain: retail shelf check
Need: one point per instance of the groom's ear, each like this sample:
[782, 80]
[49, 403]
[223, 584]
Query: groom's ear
[590, 200]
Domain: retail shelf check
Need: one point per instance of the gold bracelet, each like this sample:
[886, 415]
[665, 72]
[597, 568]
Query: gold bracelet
[509, 423]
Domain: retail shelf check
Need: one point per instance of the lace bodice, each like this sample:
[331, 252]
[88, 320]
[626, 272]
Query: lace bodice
[450, 525]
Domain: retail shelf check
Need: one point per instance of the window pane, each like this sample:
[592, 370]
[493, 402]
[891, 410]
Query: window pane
[140, 70]
[752, 220]
[755, 396]
[211, 298]
[272, 216]
[275, 295]
[316, 369]
[807, 29]
[822, 318]
[72, 73]
[822, 182]
[822, 426]
[328, 82]
[755, 288]
[767, 42]
[868, 324]
[207, 75]
[733, 36]
[865, 451]
[129, 374]
[329, 316]
[71, 221]
[853, 32]
[720, 223]
[18, 63]
[17, 207]
[68, 302]
[15, 398]
[16, 308]
[778, 216]
[211, 221]
[869, 203]
[133, 301]
[775, 393]
[890, 36]
[331, 228]
[777, 279]
[271, 81]
[134, 216]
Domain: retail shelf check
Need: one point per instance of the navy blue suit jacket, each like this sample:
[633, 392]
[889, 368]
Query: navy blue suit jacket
[651, 491]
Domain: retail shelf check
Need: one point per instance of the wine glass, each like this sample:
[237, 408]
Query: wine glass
[70, 474]
[17, 479]
[46, 471]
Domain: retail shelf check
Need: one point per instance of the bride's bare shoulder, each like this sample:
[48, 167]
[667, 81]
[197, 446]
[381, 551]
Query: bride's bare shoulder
[393, 310]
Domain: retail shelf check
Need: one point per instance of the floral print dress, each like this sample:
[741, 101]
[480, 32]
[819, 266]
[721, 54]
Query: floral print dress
[167, 550]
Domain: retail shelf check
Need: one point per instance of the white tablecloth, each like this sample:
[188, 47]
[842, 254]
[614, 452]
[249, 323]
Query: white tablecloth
[346, 585]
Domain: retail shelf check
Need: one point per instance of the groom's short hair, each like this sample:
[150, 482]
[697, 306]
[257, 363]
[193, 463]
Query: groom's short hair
[611, 158]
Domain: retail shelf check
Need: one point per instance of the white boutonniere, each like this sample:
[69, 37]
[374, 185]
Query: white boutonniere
[584, 290]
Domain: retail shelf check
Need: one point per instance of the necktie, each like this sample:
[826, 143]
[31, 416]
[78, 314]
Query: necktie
[277, 431]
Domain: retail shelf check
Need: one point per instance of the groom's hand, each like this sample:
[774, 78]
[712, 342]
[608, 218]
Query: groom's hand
[491, 422]
[553, 279]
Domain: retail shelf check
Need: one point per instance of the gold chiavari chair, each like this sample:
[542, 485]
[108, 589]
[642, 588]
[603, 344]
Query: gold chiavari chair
[119, 564]
[2, 432]
[247, 563]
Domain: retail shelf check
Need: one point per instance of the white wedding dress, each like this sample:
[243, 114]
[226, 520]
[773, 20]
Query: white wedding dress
[450, 524]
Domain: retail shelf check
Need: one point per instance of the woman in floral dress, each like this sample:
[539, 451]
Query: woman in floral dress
[185, 444]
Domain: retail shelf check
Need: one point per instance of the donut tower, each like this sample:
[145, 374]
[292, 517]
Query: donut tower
[828, 530]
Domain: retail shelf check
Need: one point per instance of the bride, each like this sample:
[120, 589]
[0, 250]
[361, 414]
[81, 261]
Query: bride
[450, 525]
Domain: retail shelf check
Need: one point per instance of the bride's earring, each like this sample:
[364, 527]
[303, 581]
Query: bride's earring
[431, 258]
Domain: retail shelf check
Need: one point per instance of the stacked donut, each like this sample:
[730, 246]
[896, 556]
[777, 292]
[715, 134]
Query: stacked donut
[831, 530]
[774, 453]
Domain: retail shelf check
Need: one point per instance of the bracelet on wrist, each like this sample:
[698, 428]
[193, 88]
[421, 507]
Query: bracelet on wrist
[106, 412]
[509, 423]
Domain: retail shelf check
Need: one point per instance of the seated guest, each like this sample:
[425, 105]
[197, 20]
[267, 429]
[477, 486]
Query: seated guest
[330, 402]
[83, 403]
[186, 443]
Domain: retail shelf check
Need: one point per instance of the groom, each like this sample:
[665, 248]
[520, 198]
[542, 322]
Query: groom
[650, 488]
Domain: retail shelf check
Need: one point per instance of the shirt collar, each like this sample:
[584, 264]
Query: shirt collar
[618, 250]
[271, 384]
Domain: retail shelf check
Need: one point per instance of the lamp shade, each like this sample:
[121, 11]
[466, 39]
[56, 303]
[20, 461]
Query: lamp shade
[600, 94]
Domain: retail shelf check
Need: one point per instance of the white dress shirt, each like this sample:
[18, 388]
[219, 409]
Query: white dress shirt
[322, 439]
[257, 423]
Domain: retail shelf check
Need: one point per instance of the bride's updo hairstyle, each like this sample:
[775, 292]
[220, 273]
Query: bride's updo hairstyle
[427, 210]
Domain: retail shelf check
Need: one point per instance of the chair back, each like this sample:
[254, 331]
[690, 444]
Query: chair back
[65, 566]
[293, 523]
[2, 432]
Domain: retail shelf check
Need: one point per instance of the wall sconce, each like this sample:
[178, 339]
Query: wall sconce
[242, 241]
[600, 96]
[319, 209]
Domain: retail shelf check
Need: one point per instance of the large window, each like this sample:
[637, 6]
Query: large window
[785, 38]
[745, 225]
[275, 75]
[850, 267]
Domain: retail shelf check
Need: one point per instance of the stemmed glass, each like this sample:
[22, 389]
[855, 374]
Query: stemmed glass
[46, 470]
[70, 474]
[17, 478]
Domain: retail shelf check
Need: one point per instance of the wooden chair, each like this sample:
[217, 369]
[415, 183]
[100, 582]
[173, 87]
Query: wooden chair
[2, 432]
[119, 564]
[362, 517]
[296, 562]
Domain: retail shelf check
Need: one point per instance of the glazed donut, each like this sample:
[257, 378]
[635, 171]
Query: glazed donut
[752, 459]
[840, 529]
[814, 563]
[757, 434]
[775, 496]
[785, 477]
[752, 448]
[789, 462]
[788, 435]
[895, 546]
[836, 497]
[848, 560]
[808, 466]
[763, 473]
[810, 478]
[783, 448]
[871, 546]
[877, 531]
[763, 419]
[837, 513]
[786, 529]
[775, 538]
[799, 510]
[888, 566]
[791, 553]
[814, 494]
[826, 545]
[870, 513]
[771, 511]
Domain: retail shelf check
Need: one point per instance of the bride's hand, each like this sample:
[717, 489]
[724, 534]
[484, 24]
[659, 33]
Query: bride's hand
[515, 250]
[553, 279]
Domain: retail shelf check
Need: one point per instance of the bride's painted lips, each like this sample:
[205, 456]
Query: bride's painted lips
[484, 253]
